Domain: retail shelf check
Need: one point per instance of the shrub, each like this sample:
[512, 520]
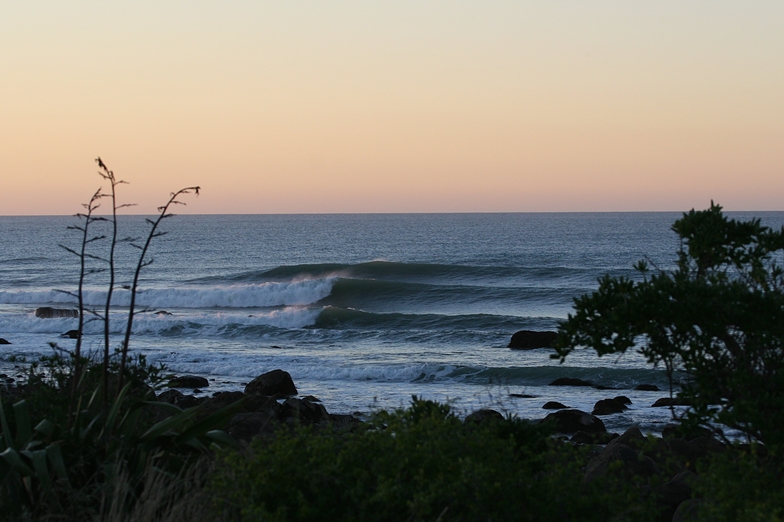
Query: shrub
[421, 463]
[718, 317]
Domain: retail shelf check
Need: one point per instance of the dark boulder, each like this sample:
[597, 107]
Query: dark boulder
[247, 425]
[569, 381]
[633, 462]
[572, 421]
[276, 383]
[71, 334]
[646, 387]
[188, 381]
[47, 312]
[684, 431]
[623, 399]
[303, 411]
[609, 406]
[531, 339]
[670, 401]
[3, 341]
[522, 396]
[688, 510]
[673, 493]
[344, 422]
[171, 396]
[553, 405]
[582, 437]
[632, 437]
[483, 416]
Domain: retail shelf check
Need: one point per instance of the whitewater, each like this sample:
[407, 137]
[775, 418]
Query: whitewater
[363, 310]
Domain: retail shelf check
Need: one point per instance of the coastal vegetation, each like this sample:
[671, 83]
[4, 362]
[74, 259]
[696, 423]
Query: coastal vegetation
[96, 437]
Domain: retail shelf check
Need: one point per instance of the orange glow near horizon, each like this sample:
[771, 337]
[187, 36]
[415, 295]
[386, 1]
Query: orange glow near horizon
[398, 107]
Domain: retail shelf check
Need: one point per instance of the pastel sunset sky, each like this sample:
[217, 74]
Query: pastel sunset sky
[404, 106]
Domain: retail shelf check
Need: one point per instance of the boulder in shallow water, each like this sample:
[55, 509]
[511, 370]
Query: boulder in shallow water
[572, 421]
[482, 416]
[3, 341]
[531, 339]
[570, 381]
[71, 334]
[554, 405]
[188, 381]
[276, 383]
[609, 406]
[646, 387]
[47, 312]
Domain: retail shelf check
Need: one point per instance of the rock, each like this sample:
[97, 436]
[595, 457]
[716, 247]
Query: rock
[572, 421]
[582, 437]
[163, 312]
[632, 437]
[688, 510]
[634, 463]
[171, 396]
[244, 426]
[522, 396]
[608, 407]
[671, 494]
[685, 432]
[569, 381]
[686, 452]
[646, 387]
[303, 411]
[344, 422]
[482, 416]
[670, 401]
[531, 339]
[188, 381]
[623, 399]
[553, 405]
[71, 334]
[276, 383]
[47, 312]
[3, 341]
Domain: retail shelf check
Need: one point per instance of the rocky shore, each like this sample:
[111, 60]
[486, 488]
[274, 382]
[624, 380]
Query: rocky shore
[270, 402]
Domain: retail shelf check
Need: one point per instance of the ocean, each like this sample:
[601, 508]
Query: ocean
[364, 310]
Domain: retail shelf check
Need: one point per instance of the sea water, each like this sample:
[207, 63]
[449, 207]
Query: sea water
[363, 310]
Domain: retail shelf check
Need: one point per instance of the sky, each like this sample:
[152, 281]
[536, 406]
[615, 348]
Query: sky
[404, 106]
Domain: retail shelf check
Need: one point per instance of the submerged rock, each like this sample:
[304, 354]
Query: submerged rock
[570, 381]
[482, 416]
[531, 339]
[554, 405]
[188, 381]
[3, 341]
[71, 334]
[47, 312]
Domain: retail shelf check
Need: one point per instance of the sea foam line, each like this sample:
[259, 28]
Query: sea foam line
[233, 296]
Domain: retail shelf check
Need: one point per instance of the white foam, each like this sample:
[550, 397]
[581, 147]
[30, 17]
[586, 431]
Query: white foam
[233, 296]
[149, 323]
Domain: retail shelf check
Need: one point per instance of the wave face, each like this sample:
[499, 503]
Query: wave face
[356, 307]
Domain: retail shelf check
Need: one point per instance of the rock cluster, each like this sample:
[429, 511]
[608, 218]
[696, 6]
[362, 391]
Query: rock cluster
[267, 404]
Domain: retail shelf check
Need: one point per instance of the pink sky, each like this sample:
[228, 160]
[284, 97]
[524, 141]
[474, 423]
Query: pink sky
[394, 107]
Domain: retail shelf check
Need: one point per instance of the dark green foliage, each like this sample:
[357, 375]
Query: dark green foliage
[422, 463]
[741, 485]
[718, 317]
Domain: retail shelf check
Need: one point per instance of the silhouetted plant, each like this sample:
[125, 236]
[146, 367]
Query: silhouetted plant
[108, 175]
[144, 261]
[87, 218]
